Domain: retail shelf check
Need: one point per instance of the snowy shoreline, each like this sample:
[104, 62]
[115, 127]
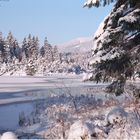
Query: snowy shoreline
[57, 105]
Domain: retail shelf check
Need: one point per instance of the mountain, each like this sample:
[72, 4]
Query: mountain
[82, 44]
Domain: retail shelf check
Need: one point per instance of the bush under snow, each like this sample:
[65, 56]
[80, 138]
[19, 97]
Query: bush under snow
[117, 116]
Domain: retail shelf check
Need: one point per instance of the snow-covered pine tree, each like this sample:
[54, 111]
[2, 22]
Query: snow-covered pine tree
[30, 48]
[60, 57]
[17, 51]
[2, 49]
[10, 39]
[46, 56]
[116, 51]
[29, 44]
[37, 46]
[25, 49]
[31, 68]
[48, 51]
[9, 47]
[42, 51]
[34, 48]
[55, 54]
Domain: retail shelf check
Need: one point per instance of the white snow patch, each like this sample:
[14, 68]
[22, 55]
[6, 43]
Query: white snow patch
[8, 135]
[79, 131]
[87, 76]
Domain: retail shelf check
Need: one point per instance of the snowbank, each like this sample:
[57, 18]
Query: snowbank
[8, 135]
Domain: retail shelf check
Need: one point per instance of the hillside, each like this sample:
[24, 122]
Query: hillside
[82, 44]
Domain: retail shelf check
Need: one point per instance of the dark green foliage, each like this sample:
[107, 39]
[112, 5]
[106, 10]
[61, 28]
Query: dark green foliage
[25, 48]
[121, 39]
[117, 86]
[2, 51]
[42, 51]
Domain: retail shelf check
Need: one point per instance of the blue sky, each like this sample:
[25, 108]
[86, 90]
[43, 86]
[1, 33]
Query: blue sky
[59, 20]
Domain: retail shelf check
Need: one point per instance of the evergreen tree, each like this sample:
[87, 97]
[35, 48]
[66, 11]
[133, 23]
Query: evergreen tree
[117, 43]
[34, 47]
[29, 45]
[42, 51]
[55, 54]
[10, 39]
[2, 49]
[25, 51]
[37, 46]
[13, 47]
[60, 57]
[48, 51]
[9, 47]
[31, 68]
[25, 48]
[17, 51]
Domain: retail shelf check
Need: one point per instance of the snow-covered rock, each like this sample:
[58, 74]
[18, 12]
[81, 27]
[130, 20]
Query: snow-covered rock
[87, 76]
[79, 131]
[117, 116]
[8, 135]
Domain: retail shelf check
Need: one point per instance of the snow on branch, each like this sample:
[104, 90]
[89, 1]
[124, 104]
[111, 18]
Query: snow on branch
[90, 3]
[130, 18]
[97, 3]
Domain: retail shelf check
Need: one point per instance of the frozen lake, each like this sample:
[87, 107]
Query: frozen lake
[21, 89]
[9, 115]
[17, 93]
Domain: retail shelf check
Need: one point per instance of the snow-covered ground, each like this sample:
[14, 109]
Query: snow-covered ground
[17, 93]
[62, 106]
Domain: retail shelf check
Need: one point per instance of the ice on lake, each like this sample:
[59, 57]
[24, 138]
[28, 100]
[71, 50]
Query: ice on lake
[17, 93]
[9, 115]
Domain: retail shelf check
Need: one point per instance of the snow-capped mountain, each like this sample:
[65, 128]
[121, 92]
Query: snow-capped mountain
[82, 44]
